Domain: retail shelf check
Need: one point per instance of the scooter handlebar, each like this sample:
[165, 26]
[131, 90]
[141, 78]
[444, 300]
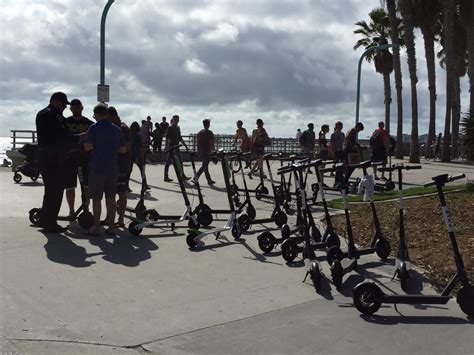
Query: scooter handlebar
[442, 179]
[400, 167]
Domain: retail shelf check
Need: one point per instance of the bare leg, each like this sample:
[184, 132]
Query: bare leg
[70, 197]
[111, 206]
[122, 205]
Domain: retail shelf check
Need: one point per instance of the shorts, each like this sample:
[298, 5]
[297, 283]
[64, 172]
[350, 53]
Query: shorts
[258, 150]
[324, 154]
[72, 172]
[98, 185]
[379, 156]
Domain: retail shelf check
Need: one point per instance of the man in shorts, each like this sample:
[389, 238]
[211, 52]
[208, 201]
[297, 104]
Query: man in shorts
[124, 163]
[78, 162]
[205, 145]
[105, 140]
[173, 138]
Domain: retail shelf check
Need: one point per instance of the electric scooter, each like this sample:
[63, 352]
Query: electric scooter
[194, 236]
[379, 244]
[136, 226]
[309, 256]
[83, 216]
[290, 248]
[368, 297]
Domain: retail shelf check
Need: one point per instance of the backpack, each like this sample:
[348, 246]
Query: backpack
[376, 141]
[302, 139]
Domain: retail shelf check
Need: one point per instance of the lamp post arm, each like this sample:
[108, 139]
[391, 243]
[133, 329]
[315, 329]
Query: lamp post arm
[102, 41]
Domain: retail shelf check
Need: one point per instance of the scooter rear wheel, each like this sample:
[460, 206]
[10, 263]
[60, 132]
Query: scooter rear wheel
[85, 220]
[465, 299]
[205, 218]
[367, 297]
[151, 215]
[34, 216]
[244, 223]
[316, 275]
[133, 229]
[337, 273]
[236, 231]
[251, 212]
[333, 240]
[266, 242]
[334, 253]
[382, 248]
[193, 223]
[316, 234]
[289, 250]
[190, 241]
[285, 231]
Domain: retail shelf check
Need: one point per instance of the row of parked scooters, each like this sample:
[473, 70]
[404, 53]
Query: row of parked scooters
[305, 237]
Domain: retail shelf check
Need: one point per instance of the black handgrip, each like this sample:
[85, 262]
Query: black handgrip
[442, 179]
[413, 167]
[457, 177]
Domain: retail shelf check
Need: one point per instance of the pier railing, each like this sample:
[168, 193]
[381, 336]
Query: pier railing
[20, 137]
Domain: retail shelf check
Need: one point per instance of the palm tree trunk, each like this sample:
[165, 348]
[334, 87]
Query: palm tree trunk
[410, 43]
[428, 38]
[388, 100]
[470, 48]
[398, 75]
[456, 115]
[448, 26]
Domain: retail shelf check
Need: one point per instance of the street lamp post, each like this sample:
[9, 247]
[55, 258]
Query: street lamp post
[368, 50]
[102, 89]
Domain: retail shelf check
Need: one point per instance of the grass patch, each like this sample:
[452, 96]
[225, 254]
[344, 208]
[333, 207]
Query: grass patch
[383, 196]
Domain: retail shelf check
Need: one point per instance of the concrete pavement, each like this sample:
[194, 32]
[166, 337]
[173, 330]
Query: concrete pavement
[72, 294]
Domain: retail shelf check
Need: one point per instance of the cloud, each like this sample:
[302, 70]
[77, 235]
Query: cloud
[195, 66]
[224, 33]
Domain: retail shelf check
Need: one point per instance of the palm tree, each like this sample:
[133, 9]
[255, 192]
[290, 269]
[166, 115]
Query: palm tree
[406, 11]
[395, 37]
[466, 14]
[467, 129]
[448, 37]
[375, 33]
[426, 16]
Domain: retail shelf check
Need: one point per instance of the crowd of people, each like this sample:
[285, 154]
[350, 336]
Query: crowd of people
[102, 155]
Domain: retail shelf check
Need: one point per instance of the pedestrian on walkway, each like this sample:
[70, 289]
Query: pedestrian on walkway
[258, 142]
[174, 138]
[105, 140]
[336, 146]
[352, 148]
[380, 146]
[136, 155]
[323, 142]
[205, 145]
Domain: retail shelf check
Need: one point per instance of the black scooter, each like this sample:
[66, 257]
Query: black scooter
[379, 244]
[368, 297]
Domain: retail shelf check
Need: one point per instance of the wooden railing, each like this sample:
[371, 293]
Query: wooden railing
[20, 137]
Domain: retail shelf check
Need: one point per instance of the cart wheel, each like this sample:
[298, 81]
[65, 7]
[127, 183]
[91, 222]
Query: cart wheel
[316, 234]
[465, 299]
[190, 239]
[337, 272]
[86, 220]
[134, 229]
[236, 231]
[382, 248]
[289, 250]
[266, 242]
[35, 215]
[244, 223]
[367, 297]
[35, 177]
[389, 185]
[316, 276]
[17, 177]
[205, 218]
[193, 223]
[315, 187]
[285, 231]
[258, 194]
[280, 218]
[251, 212]
[151, 215]
[333, 240]
[334, 253]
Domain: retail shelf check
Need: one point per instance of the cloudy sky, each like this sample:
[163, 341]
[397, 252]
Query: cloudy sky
[288, 62]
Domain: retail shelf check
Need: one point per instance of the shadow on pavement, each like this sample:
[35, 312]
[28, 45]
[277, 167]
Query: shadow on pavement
[401, 319]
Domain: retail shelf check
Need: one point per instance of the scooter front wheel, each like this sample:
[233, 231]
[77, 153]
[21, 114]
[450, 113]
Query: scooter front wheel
[86, 220]
[465, 299]
[193, 223]
[367, 297]
[266, 242]
[280, 218]
[289, 250]
[251, 212]
[316, 275]
[190, 240]
[333, 240]
[205, 218]
[134, 229]
[236, 231]
[334, 253]
[337, 273]
[151, 215]
[244, 223]
[382, 248]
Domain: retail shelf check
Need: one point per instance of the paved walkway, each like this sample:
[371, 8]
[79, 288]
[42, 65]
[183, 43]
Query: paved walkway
[71, 294]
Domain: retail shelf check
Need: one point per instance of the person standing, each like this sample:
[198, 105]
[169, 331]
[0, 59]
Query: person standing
[54, 142]
[308, 139]
[136, 154]
[205, 145]
[337, 146]
[380, 146]
[323, 142]
[105, 140]
[352, 148]
[79, 160]
[241, 134]
[157, 138]
[258, 142]
[124, 164]
[174, 138]
[164, 129]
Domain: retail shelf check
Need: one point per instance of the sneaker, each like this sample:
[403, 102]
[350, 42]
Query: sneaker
[167, 179]
[211, 182]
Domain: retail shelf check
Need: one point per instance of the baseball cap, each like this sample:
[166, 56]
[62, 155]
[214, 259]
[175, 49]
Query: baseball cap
[76, 102]
[60, 96]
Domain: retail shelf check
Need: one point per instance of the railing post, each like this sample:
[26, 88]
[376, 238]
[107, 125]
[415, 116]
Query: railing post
[14, 139]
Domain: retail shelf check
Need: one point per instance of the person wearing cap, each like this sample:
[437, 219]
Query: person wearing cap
[79, 161]
[174, 138]
[205, 145]
[54, 142]
[105, 140]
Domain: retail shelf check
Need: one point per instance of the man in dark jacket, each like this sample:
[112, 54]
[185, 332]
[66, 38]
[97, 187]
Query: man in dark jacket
[54, 142]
